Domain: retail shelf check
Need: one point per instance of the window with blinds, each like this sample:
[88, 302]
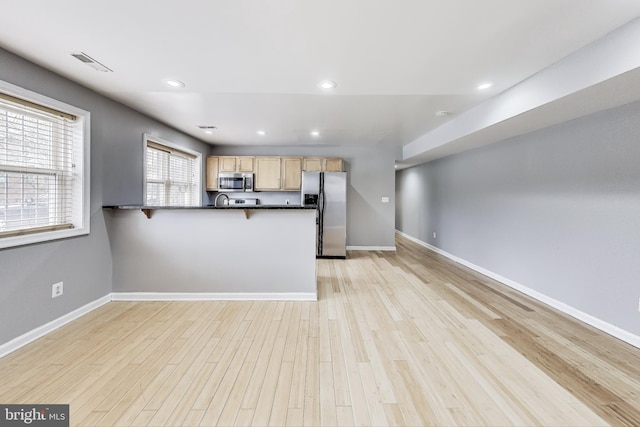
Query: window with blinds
[41, 169]
[172, 175]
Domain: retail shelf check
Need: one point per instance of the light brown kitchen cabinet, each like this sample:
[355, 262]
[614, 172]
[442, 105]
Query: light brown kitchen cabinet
[227, 164]
[245, 164]
[312, 164]
[332, 164]
[291, 173]
[212, 173]
[322, 164]
[237, 164]
[267, 173]
[271, 173]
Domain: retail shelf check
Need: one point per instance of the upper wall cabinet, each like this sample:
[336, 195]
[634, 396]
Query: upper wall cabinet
[312, 164]
[322, 164]
[332, 164]
[212, 173]
[278, 173]
[267, 173]
[237, 164]
[272, 173]
[291, 173]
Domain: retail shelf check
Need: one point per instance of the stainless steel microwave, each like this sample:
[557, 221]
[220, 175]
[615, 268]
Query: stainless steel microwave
[235, 182]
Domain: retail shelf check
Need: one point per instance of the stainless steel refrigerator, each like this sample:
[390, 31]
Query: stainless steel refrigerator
[328, 190]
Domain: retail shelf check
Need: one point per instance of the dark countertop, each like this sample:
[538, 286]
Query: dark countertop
[252, 207]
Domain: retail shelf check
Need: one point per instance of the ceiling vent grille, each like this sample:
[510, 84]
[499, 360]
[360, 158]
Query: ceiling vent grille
[207, 127]
[91, 62]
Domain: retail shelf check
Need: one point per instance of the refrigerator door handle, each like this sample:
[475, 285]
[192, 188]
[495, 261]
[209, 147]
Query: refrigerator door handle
[320, 224]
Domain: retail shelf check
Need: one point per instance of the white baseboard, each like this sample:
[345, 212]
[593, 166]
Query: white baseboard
[600, 324]
[371, 248]
[43, 330]
[213, 296]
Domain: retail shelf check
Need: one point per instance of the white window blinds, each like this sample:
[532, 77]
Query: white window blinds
[38, 154]
[172, 176]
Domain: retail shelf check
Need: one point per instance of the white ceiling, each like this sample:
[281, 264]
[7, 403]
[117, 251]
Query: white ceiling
[251, 64]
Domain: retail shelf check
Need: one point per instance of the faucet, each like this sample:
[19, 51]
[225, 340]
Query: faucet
[215, 201]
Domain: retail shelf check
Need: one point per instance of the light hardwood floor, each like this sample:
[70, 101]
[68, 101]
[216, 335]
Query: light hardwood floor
[404, 338]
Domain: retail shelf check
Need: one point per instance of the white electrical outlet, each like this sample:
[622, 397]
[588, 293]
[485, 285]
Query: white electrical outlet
[56, 289]
[385, 200]
[434, 235]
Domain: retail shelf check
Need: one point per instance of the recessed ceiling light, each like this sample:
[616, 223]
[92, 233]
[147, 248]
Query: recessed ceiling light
[261, 132]
[327, 84]
[485, 85]
[315, 133]
[208, 131]
[174, 83]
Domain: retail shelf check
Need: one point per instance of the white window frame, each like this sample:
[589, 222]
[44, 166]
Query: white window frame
[82, 172]
[198, 165]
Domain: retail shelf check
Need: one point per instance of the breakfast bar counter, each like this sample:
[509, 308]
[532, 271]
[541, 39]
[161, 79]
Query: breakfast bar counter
[230, 253]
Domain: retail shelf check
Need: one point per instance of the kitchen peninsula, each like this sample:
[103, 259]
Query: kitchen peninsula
[249, 252]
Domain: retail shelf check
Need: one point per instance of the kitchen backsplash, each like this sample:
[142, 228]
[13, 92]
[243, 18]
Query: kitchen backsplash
[264, 197]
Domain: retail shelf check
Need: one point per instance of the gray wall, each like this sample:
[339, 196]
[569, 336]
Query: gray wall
[371, 176]
[557, 211]
[82, 263]
[190, 251]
